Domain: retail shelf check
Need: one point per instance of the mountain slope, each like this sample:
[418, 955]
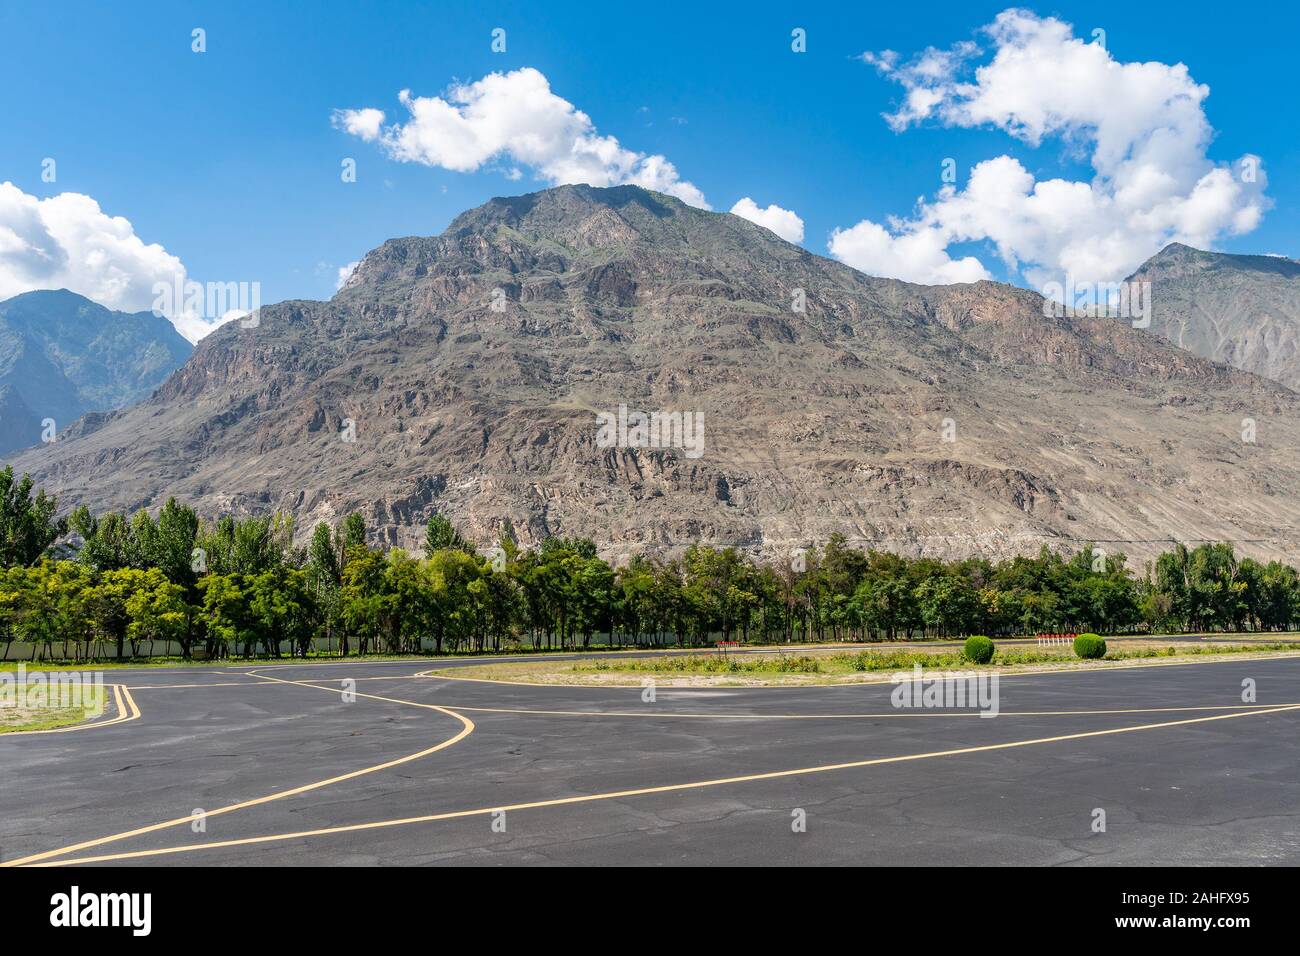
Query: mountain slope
[829, 419]
[62, 355]
[1242, 310]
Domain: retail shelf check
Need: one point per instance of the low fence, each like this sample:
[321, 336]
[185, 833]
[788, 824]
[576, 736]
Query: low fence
[1056, 640]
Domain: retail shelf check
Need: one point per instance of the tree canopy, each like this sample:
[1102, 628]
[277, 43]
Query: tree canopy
[240, 586]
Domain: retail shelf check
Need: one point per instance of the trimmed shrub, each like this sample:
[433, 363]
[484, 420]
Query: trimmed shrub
[1090, 647]
[978, 649]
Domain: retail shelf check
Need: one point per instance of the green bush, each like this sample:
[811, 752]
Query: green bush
[978, 650]
[798, 665]
[711, 664]
[1089, 646]
[898, 660]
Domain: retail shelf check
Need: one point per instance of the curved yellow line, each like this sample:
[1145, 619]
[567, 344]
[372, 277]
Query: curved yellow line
[466, 730]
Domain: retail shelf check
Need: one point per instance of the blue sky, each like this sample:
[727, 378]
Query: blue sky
[229, 159]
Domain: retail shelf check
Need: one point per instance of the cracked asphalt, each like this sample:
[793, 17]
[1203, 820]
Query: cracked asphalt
[235, 765]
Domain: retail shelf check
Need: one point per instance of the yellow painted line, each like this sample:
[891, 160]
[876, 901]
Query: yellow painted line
[931, 713]
[261, 682]
[643, 791]
[242, 683]
[466, 730]
[122, 701]
[324, 680]
[434, 674]
[316, 684]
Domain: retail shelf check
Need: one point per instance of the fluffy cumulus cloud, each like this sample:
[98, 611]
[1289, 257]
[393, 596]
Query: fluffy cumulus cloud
[1142, 127]
[914, 254]
[513, 120]
[68, 242]
[783, 222]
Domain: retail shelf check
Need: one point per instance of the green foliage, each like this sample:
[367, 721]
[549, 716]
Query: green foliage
[979, 649]
[354, 532]
[1089, 647]
[239, 585]
[225, 613]
[281, 608]
[713, 664]
[439, 535]
[27, 524]
[155, 608]
[323, 558]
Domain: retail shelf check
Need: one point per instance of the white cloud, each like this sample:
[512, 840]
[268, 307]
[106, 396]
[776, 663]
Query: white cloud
[68, 242]
[916, 255]
[345, 273]
[1142, 127]
[514, 117]
[364, 123]
[783, 222]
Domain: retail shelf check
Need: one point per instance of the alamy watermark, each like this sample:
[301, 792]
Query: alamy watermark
[210, 301]
[48, 690]
[661, 429]
[1121, 300]
[946, 689]
[74, 908]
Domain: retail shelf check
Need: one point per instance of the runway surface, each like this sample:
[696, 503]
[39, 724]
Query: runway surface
[230, 764]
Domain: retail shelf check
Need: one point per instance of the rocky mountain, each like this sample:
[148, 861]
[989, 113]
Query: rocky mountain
[62, 355]
[1243, 310]
[468, 373]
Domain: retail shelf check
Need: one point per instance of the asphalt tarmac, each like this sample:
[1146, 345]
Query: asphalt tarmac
[368, 763]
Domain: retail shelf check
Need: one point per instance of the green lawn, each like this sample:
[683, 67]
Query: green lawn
[827, 667]
[24, 718]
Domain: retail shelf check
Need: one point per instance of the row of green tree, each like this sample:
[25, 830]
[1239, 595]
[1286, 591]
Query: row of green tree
[88, 585]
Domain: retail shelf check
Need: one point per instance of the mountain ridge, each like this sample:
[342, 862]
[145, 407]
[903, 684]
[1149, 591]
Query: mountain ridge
[472, 366]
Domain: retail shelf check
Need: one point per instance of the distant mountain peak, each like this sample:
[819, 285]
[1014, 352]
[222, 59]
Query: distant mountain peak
[63, 355]
[50, 294]
[563, 226]
[1178, 258]
[1178, 249]
[568, 202]
[1243, 310]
